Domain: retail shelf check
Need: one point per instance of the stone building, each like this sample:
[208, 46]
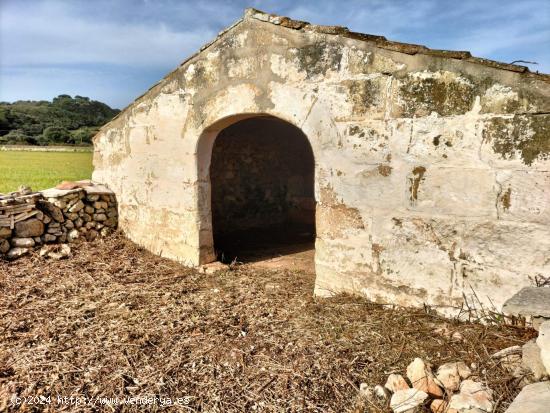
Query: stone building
[424, 174]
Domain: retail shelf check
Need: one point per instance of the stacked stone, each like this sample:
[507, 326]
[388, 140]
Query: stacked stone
[15, 208]
[78, 214]
[62, 216]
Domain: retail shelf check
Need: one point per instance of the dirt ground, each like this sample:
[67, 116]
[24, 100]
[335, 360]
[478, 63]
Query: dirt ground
[116, 321]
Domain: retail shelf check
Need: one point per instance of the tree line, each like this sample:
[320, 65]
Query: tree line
[63, 121]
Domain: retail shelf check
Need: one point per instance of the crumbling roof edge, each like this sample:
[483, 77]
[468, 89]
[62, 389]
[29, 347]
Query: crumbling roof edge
[378, 41]
[383, 43]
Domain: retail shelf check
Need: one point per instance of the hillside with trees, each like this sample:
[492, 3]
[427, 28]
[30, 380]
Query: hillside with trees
[63, 121]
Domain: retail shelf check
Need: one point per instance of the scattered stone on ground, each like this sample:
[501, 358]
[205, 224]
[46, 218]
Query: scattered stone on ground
[473, 395]
[366, 392]
[396, 382]
[55, 251]
[405, 401]
[16, 252]
[461, 394]
[381, 392]
[533, 398]
[422, 378]
[446, 332]
[299, 352]
[450, 374]
[213, 267]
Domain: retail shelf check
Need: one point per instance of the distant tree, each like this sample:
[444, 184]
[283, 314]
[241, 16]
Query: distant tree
[83, 136]
[5, 125]
[64, 120]
[16, 137]
[57, 134]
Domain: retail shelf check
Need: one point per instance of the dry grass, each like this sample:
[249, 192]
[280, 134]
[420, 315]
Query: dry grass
[117, 321]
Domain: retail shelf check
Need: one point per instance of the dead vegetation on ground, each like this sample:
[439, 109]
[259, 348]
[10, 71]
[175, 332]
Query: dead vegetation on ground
[117, 321]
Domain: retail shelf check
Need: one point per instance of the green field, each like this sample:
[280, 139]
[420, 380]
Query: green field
[41, 170]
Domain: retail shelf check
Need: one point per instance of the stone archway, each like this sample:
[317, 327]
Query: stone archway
[261, 186]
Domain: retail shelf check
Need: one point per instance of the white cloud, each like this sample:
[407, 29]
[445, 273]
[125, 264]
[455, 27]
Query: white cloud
[52, 35]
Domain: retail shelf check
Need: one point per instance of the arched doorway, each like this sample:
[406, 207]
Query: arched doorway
[262, 190]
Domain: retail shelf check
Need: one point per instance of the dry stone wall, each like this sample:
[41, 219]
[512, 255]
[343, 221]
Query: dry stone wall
[55, 216]
[432, 168]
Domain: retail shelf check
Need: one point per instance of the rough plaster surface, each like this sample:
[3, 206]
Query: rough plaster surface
[432, 168]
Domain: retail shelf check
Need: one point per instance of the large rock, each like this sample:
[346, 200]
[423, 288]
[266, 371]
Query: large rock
[22, 242]
[529, 301]
[381, 392]
[101, 205]
[73, 235]
[5, 232]
[92, 198]
[534, 398]
[543, 341]
[76, 207]
[396, 382]
[71, 215]
[404, 401]
[111, 222]
[29, 228]
[4, 246]
[531, 360]
[48, 238]
[91, 235]
[53, 211]
[422, 378]
[17, 252]
[450, 374]
[473, 395]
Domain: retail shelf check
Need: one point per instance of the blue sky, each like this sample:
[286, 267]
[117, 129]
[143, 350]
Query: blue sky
[115, 50]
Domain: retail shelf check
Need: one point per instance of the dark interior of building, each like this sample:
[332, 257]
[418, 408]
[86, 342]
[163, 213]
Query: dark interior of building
[262, 177]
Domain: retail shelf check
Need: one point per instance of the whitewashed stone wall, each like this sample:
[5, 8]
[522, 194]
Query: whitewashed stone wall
[432, 168]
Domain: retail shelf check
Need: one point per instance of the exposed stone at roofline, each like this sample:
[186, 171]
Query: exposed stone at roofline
[383, 43]
[376, 40]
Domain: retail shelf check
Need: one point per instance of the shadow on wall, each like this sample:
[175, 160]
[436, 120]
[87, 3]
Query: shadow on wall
[262, 180]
